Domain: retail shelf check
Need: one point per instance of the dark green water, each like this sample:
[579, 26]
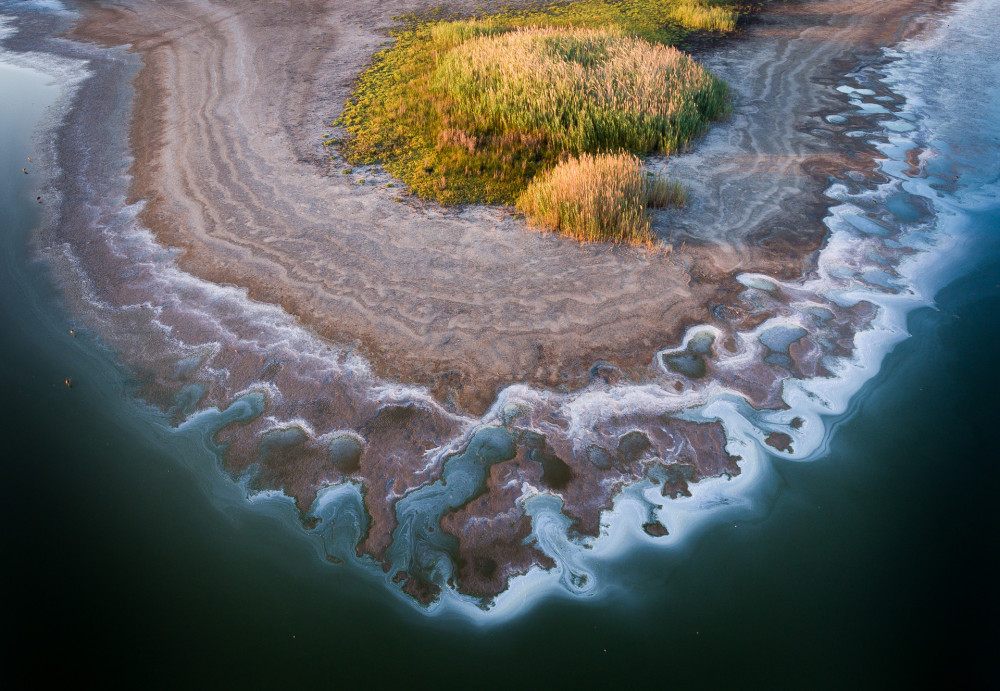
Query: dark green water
[874, 567]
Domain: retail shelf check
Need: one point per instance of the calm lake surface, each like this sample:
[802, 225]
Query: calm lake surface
[130, 559]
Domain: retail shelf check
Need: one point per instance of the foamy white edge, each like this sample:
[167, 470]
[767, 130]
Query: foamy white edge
[818, 401]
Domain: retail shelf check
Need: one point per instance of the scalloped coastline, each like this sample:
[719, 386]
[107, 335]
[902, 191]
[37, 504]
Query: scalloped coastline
[763, 357]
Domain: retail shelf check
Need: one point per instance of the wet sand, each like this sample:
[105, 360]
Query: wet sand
[236, 97]
[231, 108]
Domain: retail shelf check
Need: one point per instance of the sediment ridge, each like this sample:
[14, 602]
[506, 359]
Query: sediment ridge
[231, 107]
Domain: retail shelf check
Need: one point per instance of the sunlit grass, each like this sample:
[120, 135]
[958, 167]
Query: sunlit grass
[581, 90]
[598, 198]
[474, 110]
[705, 16]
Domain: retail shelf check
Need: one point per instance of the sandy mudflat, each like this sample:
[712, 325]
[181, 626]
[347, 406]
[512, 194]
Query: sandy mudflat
[230, 112]
[236, 97]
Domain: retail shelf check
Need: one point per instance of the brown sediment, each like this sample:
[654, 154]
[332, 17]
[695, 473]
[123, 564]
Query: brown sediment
[492, 530]
[231, 109]
[916, 168]
[655, 529]
[421, 590]
[232, 105]
[389, 458]
[396, 438]
[779, 441]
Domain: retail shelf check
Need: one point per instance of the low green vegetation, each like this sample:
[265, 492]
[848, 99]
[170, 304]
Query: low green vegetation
[492, 110]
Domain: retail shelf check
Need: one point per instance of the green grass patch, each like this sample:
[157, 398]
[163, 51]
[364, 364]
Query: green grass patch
[474, 110]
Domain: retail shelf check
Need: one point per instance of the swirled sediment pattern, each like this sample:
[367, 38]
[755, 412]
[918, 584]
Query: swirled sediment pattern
[448, 399]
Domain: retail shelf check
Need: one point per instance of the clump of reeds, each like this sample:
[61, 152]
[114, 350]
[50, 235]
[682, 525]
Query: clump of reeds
[589, 89]
[599, 198]
[662, 193]
[704, 15]
[475, 110]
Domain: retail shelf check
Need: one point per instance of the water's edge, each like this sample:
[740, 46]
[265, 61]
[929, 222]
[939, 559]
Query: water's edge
[893, 247]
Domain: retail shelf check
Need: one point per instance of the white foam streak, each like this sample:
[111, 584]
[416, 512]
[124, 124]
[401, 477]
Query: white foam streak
[851, 270]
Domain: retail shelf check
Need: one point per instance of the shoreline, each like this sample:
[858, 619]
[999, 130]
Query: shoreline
[606, 435]
[140, 529]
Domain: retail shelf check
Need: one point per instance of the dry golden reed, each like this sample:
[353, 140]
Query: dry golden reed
[598, 198]
[702, 16]
[588, 89]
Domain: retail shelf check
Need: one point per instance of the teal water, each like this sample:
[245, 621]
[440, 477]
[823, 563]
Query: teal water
[130, 561]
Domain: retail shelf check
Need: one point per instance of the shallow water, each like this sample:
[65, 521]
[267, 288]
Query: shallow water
[871, 562]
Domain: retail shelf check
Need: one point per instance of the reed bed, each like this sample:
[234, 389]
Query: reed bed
[588, 89]
[598, 198]
[475, 110]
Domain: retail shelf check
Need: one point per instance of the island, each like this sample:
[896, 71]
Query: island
[346, 284]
